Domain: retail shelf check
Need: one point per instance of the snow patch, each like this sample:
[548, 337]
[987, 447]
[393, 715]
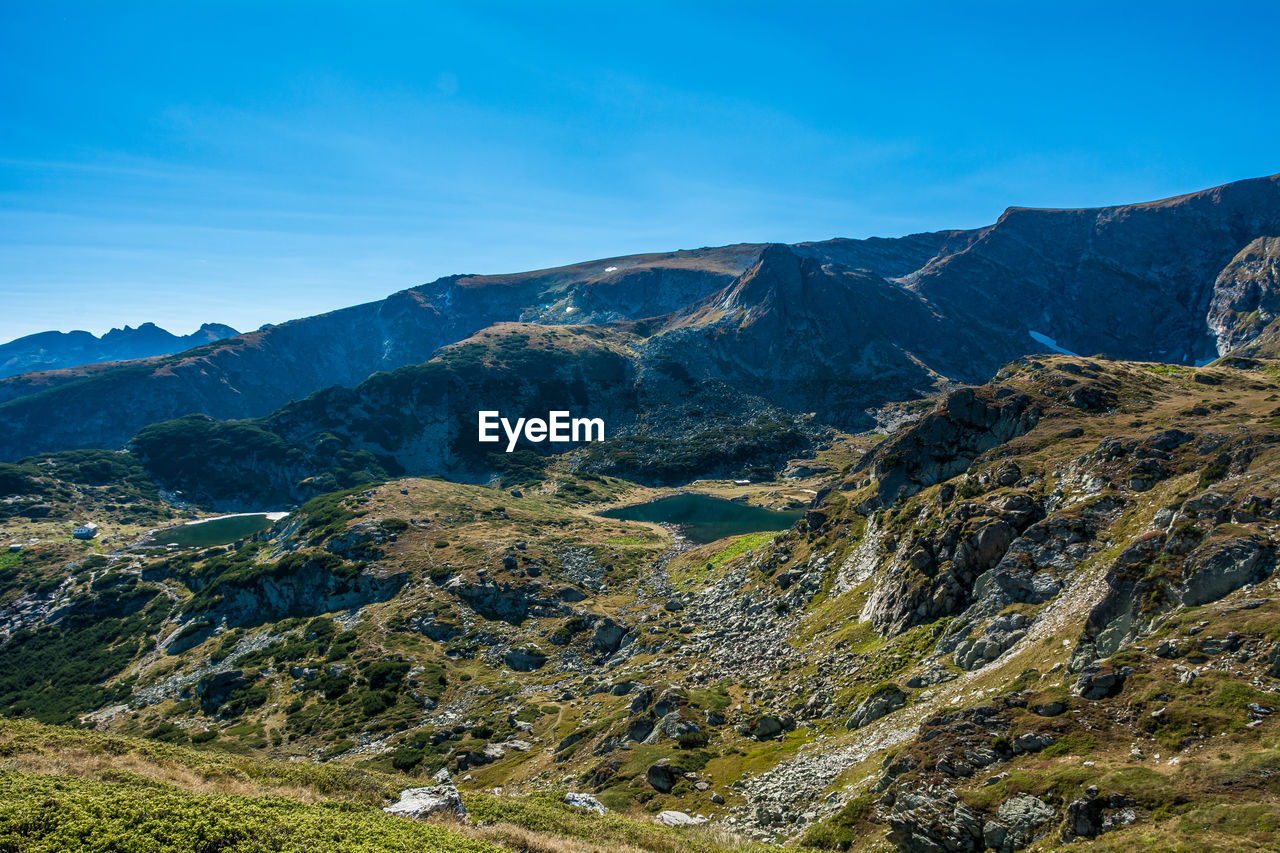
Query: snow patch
[269, 516]
[1051, 343]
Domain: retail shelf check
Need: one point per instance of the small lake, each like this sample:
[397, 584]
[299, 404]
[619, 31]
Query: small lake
[215, 531]
[706, 519]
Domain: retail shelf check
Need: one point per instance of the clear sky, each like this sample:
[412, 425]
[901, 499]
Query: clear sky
[252, 162]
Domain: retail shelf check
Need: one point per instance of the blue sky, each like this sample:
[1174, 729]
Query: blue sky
[253, 162]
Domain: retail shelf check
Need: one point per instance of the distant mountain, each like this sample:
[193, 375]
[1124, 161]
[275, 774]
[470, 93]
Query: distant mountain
[829, 328]
[57, 350]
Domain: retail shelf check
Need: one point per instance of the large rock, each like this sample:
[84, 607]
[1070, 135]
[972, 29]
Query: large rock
[640, 728]
[684, 732]
[1099, 682]
[1019, 821]
[1091, 815]
[421, 803]
[524, 659]
[932, 820]
[674, 818]
[885, 700]
[765, 727]
[662, 776]
[1218, 569]
[215, 689]
[1032, 742]
[584, 801]
[607, 637]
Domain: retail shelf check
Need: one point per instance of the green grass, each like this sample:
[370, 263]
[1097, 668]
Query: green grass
[741, 545]
[546, 813]
[47, 814]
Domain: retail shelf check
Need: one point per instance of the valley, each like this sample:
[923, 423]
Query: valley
[856, 566]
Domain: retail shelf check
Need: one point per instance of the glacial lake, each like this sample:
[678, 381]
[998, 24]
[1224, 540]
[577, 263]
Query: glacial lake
[215, 531]
[706, 519]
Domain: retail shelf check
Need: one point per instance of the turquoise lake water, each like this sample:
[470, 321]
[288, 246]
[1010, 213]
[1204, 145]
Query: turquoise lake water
[705, 519]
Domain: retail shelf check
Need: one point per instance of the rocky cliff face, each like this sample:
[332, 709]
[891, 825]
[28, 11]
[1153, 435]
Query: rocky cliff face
[1134, 281]
[1246, 295]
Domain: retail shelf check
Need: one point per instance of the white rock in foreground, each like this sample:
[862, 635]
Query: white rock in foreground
[585, 801]
[672, 818]
[423, 802]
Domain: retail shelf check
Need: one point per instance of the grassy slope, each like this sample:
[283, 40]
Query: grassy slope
[64, 789]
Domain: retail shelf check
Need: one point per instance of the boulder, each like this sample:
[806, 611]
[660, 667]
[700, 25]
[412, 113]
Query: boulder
[662, 777]
[215, 689]
[1219, 569]
[885, 700]
[931, 820]
[421, 803]
[1091, 815]
[524, 660]
[766, 727]
[931, 676]
[607, 637]
[667, 702]
[584, 801]
[1008, 474]
[1019, 821]
[1032, 742]
[674, 818]
[642, 700]
[640, 728]
[685, 732]
[1099, 682]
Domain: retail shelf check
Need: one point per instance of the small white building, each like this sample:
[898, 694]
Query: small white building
[85, 531]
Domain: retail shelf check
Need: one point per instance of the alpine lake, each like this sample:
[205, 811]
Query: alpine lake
[704, 519]
[207, 533]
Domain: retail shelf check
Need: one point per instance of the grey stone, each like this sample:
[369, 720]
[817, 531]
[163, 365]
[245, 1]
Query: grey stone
[885, 700]
[421, 803]
[584, 801]
[662, 777]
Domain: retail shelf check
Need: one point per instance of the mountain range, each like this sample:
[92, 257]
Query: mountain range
[57, 350]
[954, 542]
[831, 329]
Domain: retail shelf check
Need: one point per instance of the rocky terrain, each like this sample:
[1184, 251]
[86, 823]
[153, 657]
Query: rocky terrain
[1040, 615]
[1031, 602]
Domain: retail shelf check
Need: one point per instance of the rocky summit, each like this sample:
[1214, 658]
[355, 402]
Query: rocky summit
[1023, 596]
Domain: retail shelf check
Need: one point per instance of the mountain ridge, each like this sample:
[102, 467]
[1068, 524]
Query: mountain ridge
[57, 350]
[1135, 281]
